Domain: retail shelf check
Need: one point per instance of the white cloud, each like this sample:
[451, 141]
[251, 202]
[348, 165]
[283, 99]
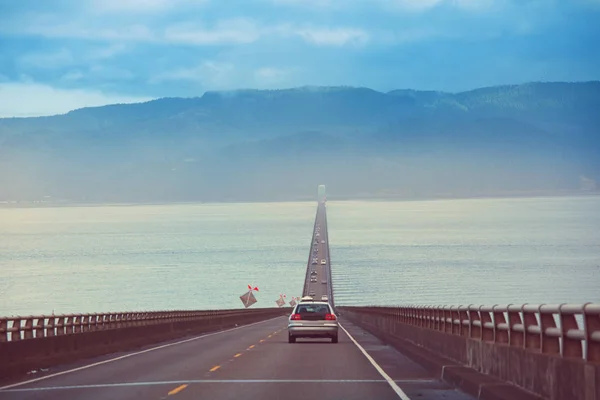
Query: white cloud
[209, 74]
[93, 31]
[104, 52]
[34, 99]
[314, 4]
[269, 73]
[47, 60]
[424, 5]
[333, 37]
[139, 6]
[225, 32]
[269, 76]
[417, 5]
[72, 76]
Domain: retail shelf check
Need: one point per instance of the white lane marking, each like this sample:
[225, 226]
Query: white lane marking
[41, 378]
[133, 384]
[385, 376]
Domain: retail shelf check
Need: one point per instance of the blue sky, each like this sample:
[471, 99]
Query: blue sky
[58, 55]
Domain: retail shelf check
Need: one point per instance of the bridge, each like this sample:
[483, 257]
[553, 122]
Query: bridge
[452, 353]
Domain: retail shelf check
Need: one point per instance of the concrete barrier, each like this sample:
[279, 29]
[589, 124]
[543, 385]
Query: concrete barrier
[23, 355]
[547, 375]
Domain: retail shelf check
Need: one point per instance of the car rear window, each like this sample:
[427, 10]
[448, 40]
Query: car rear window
[313, 309]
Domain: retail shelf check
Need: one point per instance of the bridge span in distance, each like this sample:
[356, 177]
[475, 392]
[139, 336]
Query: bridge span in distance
[374, 358]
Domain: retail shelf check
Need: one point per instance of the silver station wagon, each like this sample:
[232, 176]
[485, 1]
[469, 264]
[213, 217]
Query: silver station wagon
[312, 319]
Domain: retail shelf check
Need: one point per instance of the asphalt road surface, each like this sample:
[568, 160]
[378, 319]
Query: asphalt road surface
[250, 362]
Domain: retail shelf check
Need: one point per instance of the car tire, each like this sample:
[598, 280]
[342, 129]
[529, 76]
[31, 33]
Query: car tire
[291, 339]
[334, 339]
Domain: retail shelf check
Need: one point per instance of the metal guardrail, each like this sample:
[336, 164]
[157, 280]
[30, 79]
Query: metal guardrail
[330, 277]
[547, 329]
[33, 327]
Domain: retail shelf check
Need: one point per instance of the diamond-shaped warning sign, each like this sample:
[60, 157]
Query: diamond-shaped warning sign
[293, 303]
[280, 302]
[248, 299]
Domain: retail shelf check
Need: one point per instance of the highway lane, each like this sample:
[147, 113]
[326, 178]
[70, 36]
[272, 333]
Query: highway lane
[142, 373]
[322, 271]
[254, 362]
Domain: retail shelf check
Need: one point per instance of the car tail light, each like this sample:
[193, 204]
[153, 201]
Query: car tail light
[330, 317]
[296, 317]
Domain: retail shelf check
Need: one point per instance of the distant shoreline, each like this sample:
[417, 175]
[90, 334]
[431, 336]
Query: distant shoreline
[372, 198]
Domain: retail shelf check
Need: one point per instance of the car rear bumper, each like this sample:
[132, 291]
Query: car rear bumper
[328, 330]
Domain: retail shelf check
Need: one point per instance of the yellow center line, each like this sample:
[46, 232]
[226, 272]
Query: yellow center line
[251, 347]
[262, 340]
[216, 367]
[269, 336]
[237, 355]
[177, 390]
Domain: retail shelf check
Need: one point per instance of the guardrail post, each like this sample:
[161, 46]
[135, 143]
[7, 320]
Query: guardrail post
[77, 328]
[28, 333]
[463, 318]
[15, 334]
[501, 328]
[487, 326]
[516, 336]
[447, 323]
[60, 325]
[456, 322]
[437, 319]
[3, 330]
[69, 327]
[474, 321]
[570, 347]
[549, 344]
[40, 326]
[532, 339]
[591, 323]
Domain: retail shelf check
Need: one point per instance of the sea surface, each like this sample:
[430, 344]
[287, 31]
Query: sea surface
[203, 256]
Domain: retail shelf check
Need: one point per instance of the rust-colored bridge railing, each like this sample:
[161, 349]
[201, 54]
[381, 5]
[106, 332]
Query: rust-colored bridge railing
[34, 342]
[32, 327]
[548, 329]
[527, 345]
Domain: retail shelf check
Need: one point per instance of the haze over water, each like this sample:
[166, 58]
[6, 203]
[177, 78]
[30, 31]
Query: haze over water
[203, 256]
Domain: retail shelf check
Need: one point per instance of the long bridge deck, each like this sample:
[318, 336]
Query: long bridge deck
[251, 362]
[255, 360]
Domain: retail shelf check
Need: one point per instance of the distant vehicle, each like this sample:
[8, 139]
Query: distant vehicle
[322, 242]
[324, 298]
[324, 282]
[312, 319]
[314, 261]
[313, 279]
[311, 293]
[323, 262]
[313, 272]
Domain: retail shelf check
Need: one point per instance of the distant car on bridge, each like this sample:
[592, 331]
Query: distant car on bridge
[312, 319]
[323, 262]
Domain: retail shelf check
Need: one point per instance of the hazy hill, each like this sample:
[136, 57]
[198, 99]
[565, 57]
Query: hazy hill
[255, 145]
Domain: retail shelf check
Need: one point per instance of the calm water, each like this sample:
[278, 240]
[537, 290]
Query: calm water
[113, 258]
